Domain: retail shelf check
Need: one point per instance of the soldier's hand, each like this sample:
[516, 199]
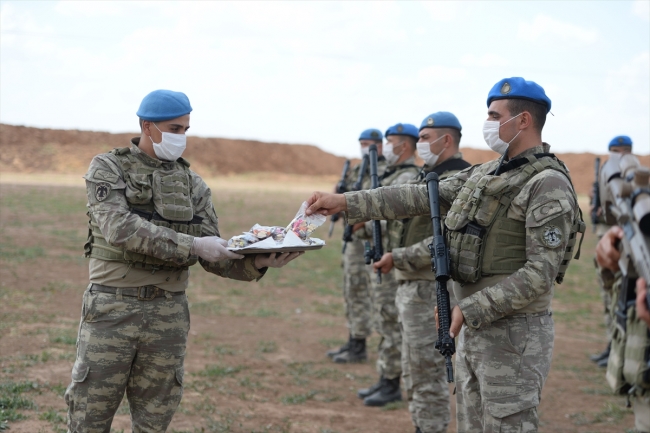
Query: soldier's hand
[357, 227]
[607, 254]
[275, 260]
[213, 249]
[386, 263]
[326, 204]
[641, 305]
[457, 320]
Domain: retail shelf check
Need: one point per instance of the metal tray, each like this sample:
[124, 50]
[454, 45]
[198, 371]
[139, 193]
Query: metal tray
[278, 250]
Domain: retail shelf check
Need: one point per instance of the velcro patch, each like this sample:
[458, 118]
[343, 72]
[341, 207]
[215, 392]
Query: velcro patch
[102, 191]
[105, 176]
[552, 236]
[547, 209]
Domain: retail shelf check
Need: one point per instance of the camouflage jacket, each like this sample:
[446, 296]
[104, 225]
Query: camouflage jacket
[106, 187]
[527, 290]
[413, 262]
[388, 175]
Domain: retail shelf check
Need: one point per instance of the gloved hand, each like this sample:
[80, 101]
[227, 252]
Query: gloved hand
[275, 260]
[213, 249]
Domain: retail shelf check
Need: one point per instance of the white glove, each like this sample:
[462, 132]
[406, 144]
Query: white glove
[213, 249]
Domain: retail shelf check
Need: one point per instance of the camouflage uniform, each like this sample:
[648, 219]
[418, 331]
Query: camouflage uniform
[135, 317]
[385, 315]
[358, 304]
[504, 351]
[627, 369]
[423, 368]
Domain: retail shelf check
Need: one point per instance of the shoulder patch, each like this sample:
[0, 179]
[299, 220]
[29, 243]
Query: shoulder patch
[547, 209]
[102, 191]
[106, 176]
[552, 236]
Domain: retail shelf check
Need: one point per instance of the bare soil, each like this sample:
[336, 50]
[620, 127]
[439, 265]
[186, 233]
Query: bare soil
[34, 150]
[255, 359]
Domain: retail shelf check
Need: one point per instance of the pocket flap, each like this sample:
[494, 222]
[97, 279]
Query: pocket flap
[79, 372]
[515, 399]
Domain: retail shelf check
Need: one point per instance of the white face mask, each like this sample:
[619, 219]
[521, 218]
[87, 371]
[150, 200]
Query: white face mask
[365, 151]
[424, 150]
[391, 157]
[615, 159]
[171, 147]
[491, 135]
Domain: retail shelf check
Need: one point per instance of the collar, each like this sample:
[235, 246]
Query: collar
[138, 153]
[542, 148]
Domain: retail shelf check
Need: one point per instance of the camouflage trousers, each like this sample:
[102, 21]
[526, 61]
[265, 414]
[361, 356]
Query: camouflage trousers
[500, 371]
[423, 367]
[132, 346]
[358, 304]
[385, 320]
[641, 408]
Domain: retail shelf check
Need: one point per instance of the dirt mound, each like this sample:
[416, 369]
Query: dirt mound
[31, 150]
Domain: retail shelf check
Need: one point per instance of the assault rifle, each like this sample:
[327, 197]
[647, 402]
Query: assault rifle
[440, 265]
[356, 186]
[595, 198]
[341, 187]
[375, 253]
[627, 204]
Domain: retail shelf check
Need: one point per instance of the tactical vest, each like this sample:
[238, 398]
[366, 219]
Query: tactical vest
[477, 222]
[394, 228]
[161, 196]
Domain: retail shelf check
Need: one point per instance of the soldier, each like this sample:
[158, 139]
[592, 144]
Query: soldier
[618, 146]
[151, 218]
[399, 152]
[358, 304]
[422, 364]
[511, 230]
[607, 256]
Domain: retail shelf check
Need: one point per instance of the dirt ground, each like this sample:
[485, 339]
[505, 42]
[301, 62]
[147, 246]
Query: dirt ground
[255, 360]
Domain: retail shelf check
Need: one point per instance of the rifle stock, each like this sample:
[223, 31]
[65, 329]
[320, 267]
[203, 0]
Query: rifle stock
[375, 253]
[347, 232]
[341, 187]
[440, 265]
[628, 202]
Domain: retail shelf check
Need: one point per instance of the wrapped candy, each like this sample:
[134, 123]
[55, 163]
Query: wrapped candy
[303, 225]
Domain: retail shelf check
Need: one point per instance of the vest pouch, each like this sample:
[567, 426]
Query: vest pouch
[505, 247]
[171, 195]
[138, 188]
[465, 253]
[635, 367]
[487, 198]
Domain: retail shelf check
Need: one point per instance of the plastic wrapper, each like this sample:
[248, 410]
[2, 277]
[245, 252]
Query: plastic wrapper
[303, 225]
[294, 236]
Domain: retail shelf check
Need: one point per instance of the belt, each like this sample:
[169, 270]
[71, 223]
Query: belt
[518, 315]
[143, 293]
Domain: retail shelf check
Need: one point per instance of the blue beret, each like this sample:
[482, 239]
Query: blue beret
[620, 140]
[441, 119]
[162, 105]
[403, 129]
[371, 134]
[518, 88]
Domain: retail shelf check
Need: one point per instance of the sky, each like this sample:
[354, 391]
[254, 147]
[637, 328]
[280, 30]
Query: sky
[321, 72]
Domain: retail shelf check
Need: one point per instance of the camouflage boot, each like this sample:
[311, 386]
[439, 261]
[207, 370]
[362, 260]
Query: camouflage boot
[356, 352]
[388, 393]
[332, 353]
[367, 392]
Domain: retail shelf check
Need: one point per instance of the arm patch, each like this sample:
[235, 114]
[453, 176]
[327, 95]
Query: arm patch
[546, 211]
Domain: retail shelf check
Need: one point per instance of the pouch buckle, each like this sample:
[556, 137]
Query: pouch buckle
[147, 293]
